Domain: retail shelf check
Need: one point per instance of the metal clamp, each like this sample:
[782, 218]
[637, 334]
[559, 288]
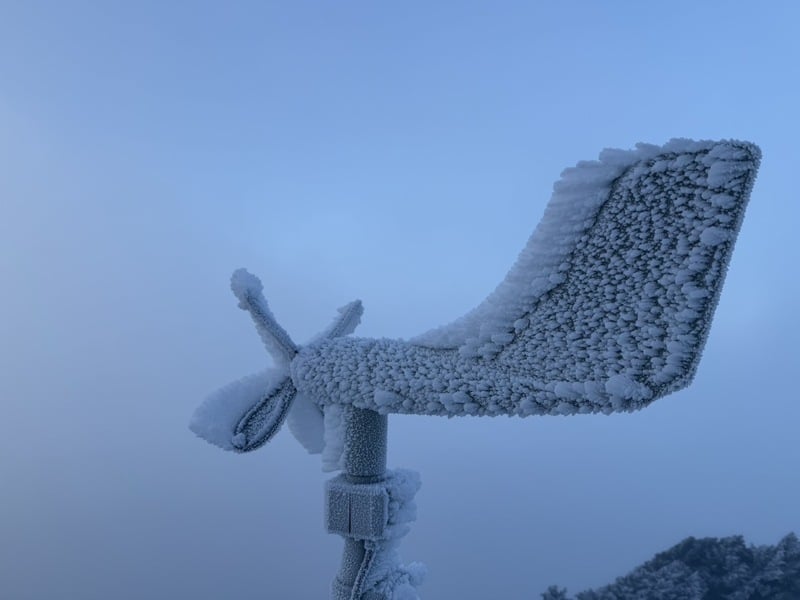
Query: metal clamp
[356, 510]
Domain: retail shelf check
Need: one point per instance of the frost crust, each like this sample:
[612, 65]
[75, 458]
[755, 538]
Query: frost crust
[606, 309]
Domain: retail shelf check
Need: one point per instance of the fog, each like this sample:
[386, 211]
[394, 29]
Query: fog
[397, 154]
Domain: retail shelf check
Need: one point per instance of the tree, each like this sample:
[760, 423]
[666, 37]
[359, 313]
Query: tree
[707, 569]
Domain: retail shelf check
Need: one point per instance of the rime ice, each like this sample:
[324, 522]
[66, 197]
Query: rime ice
[606, 309]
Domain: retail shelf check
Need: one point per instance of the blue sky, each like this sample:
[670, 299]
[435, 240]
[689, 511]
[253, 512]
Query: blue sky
[402, 154]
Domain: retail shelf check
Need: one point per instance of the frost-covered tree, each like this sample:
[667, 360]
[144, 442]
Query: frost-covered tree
[555, 593]
[707, 569]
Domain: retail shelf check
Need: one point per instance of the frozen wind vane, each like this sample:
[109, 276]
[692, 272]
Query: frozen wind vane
[606, 309]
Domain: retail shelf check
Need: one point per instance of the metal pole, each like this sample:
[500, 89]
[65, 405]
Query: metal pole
[352, 515]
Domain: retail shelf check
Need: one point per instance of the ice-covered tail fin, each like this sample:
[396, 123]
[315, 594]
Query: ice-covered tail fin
[609, 304]
[606, 309]
[630, 312]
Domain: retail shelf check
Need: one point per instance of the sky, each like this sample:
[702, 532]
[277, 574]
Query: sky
[400, 153]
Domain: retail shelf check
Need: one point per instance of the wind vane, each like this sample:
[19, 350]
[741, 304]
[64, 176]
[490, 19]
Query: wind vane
[606, 309]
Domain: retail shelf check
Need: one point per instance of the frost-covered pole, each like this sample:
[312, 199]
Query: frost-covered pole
[364, 464]
[371, 508]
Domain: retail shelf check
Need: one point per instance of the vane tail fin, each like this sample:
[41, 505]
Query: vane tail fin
[634, 299]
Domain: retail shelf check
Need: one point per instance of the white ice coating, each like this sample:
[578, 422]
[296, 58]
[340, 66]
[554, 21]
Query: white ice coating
[320, 433]
[307, 424]
[215, 420]
[388, 577]
[243, 415]
[606, 309]
[540, 267]
[332, 441]
[247, 288]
